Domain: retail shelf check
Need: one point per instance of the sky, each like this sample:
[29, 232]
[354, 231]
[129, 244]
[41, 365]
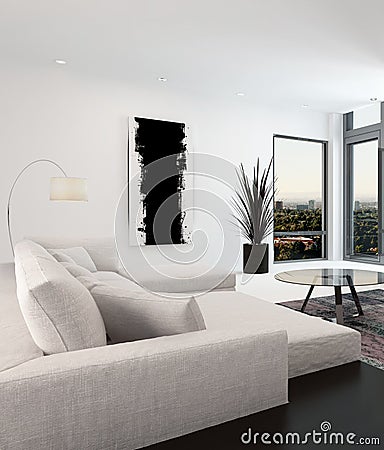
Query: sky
[365, 171]
[298, 170]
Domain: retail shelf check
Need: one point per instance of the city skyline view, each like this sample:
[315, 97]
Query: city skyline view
[299, 172]
[298, 200]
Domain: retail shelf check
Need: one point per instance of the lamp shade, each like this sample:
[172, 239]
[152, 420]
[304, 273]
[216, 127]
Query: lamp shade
[69, 189]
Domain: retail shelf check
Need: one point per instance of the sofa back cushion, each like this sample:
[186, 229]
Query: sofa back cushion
[130, 315]
[59, 311]
[102, 250]
[76, 270]
[86, 278]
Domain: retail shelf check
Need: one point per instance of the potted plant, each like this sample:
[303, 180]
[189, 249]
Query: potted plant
[254, 215]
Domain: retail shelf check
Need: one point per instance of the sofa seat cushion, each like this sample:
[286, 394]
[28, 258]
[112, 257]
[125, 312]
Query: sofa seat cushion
[104, 275]
[131, 315]
[78, 271]
[313, 343]
[59, 311]
[118, 281]
[16, 343]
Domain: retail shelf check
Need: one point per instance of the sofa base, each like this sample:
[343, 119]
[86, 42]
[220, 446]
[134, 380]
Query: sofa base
[314, 398]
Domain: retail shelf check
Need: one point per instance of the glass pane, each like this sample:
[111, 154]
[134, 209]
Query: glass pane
[369, 115]
[331, 277]
[364, 198]
[299, 199]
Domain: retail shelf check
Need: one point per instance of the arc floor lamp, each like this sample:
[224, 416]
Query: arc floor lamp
[63, 188]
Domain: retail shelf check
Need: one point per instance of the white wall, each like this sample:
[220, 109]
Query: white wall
[335, 188]
[82, 124]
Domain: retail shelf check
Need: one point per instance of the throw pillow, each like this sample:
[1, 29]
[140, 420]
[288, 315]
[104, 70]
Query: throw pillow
[63, 258]
[132, 315]
[78, 255]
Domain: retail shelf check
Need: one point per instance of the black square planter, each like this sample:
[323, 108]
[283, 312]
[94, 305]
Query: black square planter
[255, 258]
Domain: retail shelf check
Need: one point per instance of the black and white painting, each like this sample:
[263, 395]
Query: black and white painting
[158, 161]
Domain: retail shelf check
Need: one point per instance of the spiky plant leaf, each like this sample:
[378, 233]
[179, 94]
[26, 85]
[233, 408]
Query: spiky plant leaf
[253, 203]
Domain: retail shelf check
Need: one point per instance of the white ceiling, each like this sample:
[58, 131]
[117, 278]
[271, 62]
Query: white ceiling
[328, 54]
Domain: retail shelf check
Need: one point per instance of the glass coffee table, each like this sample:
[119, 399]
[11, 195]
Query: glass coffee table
[336, 278]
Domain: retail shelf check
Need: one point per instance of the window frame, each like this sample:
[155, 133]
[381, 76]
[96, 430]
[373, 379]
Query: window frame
[324, 231]
[352, 137]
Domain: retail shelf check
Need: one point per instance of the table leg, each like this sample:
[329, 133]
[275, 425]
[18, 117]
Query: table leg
[355, 296]
[339, 306]
[307, 298]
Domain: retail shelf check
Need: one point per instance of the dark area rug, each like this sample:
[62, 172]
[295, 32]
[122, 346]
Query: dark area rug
[370, 325]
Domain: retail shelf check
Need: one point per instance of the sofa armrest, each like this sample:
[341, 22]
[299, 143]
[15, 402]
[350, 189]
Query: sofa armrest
[134, 394]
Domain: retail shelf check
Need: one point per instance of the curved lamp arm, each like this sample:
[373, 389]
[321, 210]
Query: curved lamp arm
[13, 187]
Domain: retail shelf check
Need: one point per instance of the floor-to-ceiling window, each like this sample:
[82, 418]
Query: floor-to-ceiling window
[363, 178]
[300, 172]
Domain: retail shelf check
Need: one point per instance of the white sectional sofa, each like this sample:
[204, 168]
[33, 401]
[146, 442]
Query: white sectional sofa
[172, 366]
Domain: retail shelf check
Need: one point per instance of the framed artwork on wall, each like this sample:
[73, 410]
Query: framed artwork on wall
[158, 160]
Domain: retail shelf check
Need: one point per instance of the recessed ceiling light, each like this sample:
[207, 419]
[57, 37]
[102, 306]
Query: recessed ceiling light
[305, 106]
[60, 61]
[373, 99]
[163, 79]
[240, 94]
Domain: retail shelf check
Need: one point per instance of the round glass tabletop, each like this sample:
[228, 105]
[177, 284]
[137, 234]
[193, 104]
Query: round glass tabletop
[331, 277]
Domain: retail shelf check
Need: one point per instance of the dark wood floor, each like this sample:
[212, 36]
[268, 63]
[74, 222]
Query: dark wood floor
[350, 397]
